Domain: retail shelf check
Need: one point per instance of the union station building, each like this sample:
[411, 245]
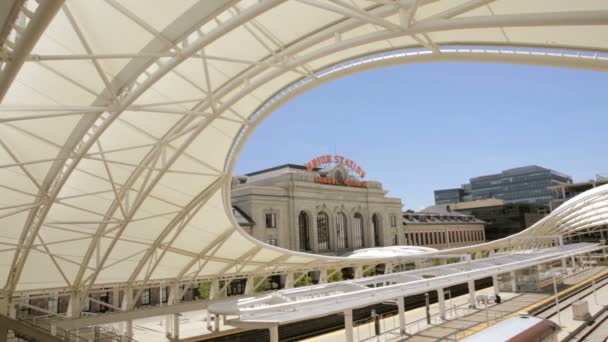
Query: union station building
[315, 211]
[331, 210]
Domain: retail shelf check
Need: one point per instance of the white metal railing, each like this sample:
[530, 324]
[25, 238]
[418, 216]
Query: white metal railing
[87, 334]
[366, 331]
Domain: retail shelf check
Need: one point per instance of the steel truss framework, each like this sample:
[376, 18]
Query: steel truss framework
[293, 305]
[120, 122]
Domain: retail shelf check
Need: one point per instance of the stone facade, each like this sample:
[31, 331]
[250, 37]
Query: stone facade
[442, 230]
[314, 217]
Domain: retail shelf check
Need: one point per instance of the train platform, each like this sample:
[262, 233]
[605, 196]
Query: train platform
[463, 321]
[597, 301]
[416, 322]
[479, 319]
[194, 325]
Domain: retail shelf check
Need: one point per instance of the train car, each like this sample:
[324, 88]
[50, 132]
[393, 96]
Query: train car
[522, 328]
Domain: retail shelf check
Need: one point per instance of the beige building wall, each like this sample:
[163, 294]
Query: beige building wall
[288, 192]
[441, 228]
[444, 236]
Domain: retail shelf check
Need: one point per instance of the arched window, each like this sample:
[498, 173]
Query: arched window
[341, 230]
[376, 227]
[323, 231]
[358, 231]
[304, 231]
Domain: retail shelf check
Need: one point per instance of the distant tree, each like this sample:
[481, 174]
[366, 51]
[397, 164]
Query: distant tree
[371, 271]
[304, 281]
[261, 285]
[203, 290]
[338, 276]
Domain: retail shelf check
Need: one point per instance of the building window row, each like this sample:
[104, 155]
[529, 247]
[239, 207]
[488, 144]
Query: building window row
[441, 238]
[323, 231]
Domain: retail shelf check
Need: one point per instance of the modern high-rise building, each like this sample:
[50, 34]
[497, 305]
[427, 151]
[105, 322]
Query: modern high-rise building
[501, 219]
[447, 196]
[526, 184]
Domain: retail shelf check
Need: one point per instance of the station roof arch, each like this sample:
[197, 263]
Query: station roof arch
[120, 121]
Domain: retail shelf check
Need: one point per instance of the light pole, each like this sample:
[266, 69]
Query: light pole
[594, 290]
[559, 317]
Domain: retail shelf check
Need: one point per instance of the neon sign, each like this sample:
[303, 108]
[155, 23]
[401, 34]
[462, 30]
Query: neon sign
[338, 177]
[340, 160]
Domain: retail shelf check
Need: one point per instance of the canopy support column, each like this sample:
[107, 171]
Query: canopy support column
[401, 310]
[323, 276]
[172, 320]
[274, 333]
[441, 301]
[249, 285]
[513, 282]
[74, 305]
[213, 291]
[216, 323]
[573, 262]
[471, 285]
[289, 281]
[127, 301]
[348, 325]
[358, 272]
[115, 297]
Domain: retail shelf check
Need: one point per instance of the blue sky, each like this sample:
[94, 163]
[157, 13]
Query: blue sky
[418, 128]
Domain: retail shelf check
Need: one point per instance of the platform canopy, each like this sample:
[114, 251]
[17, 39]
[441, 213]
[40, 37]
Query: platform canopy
[121, 121]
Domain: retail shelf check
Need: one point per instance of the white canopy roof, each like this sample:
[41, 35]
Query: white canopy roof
[120, 121]
[389, 252]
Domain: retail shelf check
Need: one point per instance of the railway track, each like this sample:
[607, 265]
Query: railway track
[589, 332]
[569, 296]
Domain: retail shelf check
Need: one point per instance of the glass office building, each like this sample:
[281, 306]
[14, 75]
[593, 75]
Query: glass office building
[447, 196]
[507, 219]
[526, 184]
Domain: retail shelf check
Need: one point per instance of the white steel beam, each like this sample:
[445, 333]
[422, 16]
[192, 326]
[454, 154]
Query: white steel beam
[41, 18]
